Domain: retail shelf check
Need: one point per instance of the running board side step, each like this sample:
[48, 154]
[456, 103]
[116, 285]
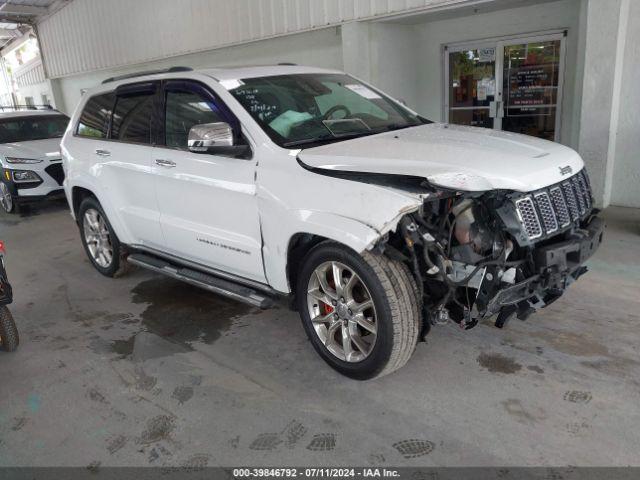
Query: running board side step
[208, 282]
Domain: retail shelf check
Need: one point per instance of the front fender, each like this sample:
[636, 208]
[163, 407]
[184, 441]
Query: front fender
[353, 233]
[351, 210]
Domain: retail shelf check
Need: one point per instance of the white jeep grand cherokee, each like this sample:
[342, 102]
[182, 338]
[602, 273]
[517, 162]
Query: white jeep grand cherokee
[30, 156]
[286, 180]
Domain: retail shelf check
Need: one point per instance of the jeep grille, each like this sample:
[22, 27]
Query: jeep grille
[555, 208]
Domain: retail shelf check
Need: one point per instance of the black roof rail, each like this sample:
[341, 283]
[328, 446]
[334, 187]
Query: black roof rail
[26, 107]
[148, 72]
[288, 64]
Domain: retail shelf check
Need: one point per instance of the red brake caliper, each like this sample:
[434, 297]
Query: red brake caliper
[326, 309]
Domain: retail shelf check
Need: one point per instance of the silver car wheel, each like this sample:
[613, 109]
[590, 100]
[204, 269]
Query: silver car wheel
[342, 312]
[5, 198]
[97, 238]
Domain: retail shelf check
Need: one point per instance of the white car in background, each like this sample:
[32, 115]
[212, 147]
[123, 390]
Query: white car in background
[30, 156]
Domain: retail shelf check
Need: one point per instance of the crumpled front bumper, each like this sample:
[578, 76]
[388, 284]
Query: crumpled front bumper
[556, 265]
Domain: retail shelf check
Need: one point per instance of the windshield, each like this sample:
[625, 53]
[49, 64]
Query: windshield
[36, 127]
[308, 109]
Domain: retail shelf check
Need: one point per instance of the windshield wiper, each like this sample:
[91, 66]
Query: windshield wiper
[347, 136]
[331, 138]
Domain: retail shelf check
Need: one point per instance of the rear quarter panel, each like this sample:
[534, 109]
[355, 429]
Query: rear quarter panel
[82, 170]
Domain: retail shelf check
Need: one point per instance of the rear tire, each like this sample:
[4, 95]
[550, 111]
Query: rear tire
[379, 340]
[9, 338]
[100, 242]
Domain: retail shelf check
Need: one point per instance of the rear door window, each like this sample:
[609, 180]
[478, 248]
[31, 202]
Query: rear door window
[94, 120]
[132, 118]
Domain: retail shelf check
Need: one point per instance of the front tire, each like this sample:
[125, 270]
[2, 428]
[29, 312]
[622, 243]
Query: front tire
[9, 338]
[6, 199]
[100, 242]
[361, 312]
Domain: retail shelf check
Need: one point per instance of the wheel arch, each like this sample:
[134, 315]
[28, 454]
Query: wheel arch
[318, 227]
[78, 194]
[81, 190]
[299, 246]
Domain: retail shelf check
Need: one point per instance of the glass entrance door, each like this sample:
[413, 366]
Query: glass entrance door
[512, 85]
[472, 86]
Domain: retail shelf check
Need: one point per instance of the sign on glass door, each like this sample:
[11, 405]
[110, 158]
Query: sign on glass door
[531, 79]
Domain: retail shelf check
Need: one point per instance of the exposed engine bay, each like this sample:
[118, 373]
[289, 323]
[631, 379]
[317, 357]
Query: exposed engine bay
[497, 253]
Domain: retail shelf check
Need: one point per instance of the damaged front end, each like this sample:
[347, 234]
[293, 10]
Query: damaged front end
[498, 253]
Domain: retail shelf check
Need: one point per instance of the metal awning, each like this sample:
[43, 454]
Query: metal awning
[16, 17]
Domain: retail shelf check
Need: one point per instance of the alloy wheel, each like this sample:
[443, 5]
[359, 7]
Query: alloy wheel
[342, 311]
[97, 238]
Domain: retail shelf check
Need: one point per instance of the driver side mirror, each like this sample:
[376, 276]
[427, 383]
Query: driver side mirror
[215, 138]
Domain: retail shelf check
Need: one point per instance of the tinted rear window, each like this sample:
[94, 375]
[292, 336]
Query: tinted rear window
[94, 120]
[36, 127]
[132, 118]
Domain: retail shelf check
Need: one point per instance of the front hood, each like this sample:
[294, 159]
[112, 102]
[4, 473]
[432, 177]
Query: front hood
[452, 156]
[46, 149]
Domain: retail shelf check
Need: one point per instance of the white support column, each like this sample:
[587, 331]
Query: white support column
[616, 98]
[384, 54]
[356, 49]
[605, 26]
[625, 177]
[57, 99]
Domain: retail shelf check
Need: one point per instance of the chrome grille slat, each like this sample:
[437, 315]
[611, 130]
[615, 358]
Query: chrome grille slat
[560, 207]
[570, 198]
[556, 207]
[529, 217]
[586, 194]
[582, 208]
[546, 212]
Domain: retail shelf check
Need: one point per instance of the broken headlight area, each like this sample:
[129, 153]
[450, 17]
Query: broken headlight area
[468, 255]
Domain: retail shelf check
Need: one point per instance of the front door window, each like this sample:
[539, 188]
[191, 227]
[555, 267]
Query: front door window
[183, 111]
[507, 85]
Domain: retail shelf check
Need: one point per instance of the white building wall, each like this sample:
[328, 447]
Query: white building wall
[383, 54]
[400, 55]
[88, 35]
[394, 52]
[31, 82]
[30, 74]
[321, 48]
[36, 92]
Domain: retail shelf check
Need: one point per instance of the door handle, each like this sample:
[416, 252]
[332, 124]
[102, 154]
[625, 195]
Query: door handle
[103, 153]
[165, 163]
